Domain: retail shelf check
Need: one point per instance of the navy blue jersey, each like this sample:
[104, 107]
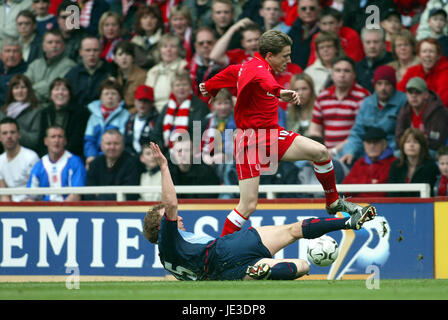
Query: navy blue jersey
[183, 259]
[189, 257]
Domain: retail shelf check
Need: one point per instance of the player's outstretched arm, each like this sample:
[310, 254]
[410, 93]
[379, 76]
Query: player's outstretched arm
[169, 198]
[226, 78]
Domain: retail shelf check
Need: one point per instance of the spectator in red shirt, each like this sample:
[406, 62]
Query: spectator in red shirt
[330, 20]
[433, 69]
[374, 166]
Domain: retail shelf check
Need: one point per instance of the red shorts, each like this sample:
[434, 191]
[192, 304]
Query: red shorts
[259, 151]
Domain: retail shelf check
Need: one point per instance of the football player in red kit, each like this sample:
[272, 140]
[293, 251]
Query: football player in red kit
[260, 143]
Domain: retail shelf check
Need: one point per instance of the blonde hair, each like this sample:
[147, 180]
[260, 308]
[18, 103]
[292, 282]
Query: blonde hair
[184, 11]
[168, 37]
[109, 14]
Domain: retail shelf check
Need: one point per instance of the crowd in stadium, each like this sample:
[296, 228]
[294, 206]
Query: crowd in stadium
[86, 85]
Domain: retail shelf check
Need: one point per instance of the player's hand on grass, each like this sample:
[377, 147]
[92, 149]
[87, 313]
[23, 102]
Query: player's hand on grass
[290, 96]
[204, 91]
[158, 155]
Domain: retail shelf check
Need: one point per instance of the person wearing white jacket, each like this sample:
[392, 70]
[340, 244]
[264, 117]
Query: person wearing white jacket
[424, 31]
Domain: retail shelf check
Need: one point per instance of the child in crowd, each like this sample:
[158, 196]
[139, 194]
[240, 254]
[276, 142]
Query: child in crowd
[45, 20]
[440, 187]
[437, 21]
[151, 176]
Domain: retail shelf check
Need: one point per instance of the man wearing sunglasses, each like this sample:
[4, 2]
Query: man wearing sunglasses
[303, 30]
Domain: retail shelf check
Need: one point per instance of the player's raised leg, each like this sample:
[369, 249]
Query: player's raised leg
[304, 148]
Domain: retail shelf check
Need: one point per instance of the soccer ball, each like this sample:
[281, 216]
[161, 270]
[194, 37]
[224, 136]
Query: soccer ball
[323, 251]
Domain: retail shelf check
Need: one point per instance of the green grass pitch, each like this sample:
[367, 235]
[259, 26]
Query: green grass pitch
[229, 290]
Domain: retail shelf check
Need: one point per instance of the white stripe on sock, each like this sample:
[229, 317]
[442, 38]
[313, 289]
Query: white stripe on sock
[236, 219]
[323, 168]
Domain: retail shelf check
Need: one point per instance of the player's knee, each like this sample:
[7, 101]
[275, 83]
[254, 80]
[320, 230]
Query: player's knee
[321, 153]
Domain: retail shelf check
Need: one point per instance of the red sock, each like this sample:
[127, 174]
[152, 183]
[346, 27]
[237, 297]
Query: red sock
[325, 174]
[233, 223]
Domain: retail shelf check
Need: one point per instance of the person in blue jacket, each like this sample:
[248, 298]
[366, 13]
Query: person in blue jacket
[378, 110]
[107, 113]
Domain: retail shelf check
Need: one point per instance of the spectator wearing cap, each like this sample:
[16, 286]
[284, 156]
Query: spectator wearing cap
[374, 43]
[437, 21]
[128, 74]
[391, 23]
[433, 68]
[374, 166]
[380, 109]
[424, 30]
[423, 111]
[140, 126]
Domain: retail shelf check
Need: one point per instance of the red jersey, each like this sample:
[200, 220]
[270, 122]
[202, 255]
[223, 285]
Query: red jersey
[238, 56]
[257, 92]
